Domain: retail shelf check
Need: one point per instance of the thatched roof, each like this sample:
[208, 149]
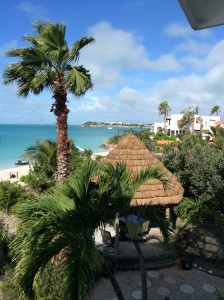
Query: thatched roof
[131, 151]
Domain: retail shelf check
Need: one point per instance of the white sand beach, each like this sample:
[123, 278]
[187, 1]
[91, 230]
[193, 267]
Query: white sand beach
[17, 171]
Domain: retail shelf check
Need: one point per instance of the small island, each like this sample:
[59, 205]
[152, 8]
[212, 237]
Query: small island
[115, 124]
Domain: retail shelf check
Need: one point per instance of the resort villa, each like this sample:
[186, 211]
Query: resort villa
[201, 124]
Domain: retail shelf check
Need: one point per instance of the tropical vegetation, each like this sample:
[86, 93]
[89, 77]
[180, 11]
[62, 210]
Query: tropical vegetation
[164, 109]
[199, 167]
[47, 63]
[59, 226]
[42, 155]
[187, 121]
[196, 212]
[146, 136]
[215, 110]
[11, 194]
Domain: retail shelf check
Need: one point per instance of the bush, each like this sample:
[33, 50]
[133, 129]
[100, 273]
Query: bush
[199, 167]
[143, 135]
[10, 194]
[38, 181]
[9, 289]
[49, 283]
[160, 135]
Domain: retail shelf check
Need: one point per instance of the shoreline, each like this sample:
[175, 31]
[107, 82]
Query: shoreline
[19, 171]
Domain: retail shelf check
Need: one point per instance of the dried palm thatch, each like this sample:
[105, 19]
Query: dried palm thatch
[131, 151]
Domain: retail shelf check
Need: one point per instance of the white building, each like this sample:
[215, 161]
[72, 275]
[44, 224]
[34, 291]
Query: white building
[201, 123]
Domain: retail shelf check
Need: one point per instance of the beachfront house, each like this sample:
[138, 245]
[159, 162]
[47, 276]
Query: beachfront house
[201, 124]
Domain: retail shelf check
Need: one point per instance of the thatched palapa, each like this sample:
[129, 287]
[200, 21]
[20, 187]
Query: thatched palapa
[131, 151]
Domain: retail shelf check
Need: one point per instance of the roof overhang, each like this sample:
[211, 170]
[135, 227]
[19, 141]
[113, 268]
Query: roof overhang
[203, 13]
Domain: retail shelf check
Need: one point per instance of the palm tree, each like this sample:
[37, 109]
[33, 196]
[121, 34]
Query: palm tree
[48, 63]
[43, 156]
[164, 109]
[121, 188]
[197, 212]
[188, 117]
[215, 110]
[62, 224]
[199, 120]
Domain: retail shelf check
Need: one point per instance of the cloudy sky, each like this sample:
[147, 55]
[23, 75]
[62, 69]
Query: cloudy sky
[145, 52]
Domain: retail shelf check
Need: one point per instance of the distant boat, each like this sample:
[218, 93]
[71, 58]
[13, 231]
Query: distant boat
[109, 127]
[22, 162]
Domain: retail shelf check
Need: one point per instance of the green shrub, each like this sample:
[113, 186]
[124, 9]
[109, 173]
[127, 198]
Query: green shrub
[10, 194]
[38, 181]
[49, 283]
[9, 289]
[161, 135]
[4, 246]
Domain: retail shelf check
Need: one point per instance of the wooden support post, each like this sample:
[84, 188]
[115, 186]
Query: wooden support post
[117, 233]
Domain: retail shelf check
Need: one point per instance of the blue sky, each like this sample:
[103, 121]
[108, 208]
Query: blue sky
[145, 52]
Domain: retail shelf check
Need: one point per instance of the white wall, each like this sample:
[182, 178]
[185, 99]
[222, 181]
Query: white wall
[172, 123]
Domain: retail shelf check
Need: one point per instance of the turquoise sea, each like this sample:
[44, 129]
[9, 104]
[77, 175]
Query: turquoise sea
[14, 139]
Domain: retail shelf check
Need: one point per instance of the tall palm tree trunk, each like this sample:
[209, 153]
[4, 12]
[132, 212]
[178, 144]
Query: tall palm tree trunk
[61, 112]
[165, 116]
[142, 269]
[114, 283]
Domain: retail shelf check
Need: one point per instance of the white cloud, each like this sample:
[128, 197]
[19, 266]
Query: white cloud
[95, 104]
[125, 86]
[116, 51]
[197, 48]
[203, 56]
[204, 90]
[181, 30]
[129, 96]
[201, 83]
[216, 54]
[166, 62]
[34, 10]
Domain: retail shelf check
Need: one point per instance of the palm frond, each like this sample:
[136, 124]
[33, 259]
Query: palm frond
[77, 46]
[196, 211]
[41, 81]
[148, 173]
[47, 55]
[78, 80]
[80, 273]
[43, 152]
[39, 237]
[156, 215]
[18, 52]
[65, 219]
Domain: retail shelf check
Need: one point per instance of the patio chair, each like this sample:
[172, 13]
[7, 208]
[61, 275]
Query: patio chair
[108, 240]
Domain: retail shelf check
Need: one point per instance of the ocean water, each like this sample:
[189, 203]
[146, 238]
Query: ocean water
[14, 139]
